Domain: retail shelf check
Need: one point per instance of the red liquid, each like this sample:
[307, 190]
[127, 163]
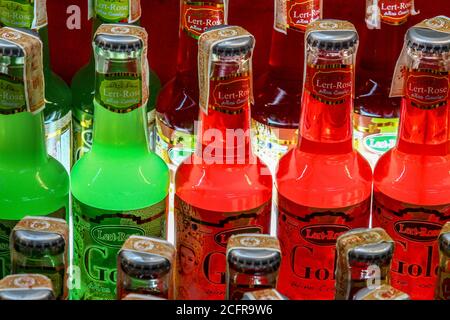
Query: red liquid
[177, 106]
[218, 194]
[412, 190]
[324, 189]
[278, 91]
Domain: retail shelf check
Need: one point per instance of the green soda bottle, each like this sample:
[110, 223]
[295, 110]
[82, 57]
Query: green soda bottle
[120, 187]
[32, 15]
[105, 11]
[32, 183]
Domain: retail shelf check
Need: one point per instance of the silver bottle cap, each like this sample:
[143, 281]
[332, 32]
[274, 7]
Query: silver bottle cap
[143, 265]
[428, 40]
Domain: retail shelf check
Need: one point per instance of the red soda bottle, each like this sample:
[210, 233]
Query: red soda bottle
[412, 180]
[376, 114]
[276, 112]
[177, 104]
[222, 189]
[324, 186]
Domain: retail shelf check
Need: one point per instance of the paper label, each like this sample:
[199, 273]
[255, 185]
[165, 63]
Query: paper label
[29, 15]
[33, 74]
[117, 10]
[99, 235]
[296, 14]
[201, 238]
[345, 243]
[206, 43]
[197, 17]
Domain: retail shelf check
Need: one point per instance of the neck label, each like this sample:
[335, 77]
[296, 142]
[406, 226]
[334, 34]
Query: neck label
[197, 17]
[33, 76]
[393, 12]
[231, 94]
[296, 14]
[119, 92]
[30, 15]
[12, 95]
[427, 89]
[330, 84]
[118, 10]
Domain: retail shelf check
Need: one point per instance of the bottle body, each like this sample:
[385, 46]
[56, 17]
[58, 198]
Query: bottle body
[323, 185]
[31, 182]
[412, 181]
[119, 188]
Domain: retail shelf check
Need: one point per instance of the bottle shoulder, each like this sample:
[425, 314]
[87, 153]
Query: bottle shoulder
[57, 95]
[40, 189]
[207, 186]
[129, 183]
[324, 181]
[412, 178]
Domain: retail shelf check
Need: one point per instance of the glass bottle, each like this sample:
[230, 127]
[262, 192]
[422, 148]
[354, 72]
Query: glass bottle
[323, 184]
[412, 180]
[208, 210]
[31, 182]
[120, 187]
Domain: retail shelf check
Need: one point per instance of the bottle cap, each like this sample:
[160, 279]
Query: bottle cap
[36, 243]
[372, 252]
[332, 40]
[444, 243]
[428, 40]
[232, 47]
[118, 43]
[9, 49]
[143, 265]
[254, 261]
[27, 294]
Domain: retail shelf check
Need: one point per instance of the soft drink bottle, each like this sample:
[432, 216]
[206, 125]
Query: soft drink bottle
[412, 180]
[323, 184]
[222, 189]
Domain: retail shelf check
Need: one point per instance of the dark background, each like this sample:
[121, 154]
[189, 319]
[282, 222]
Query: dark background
[70, 49]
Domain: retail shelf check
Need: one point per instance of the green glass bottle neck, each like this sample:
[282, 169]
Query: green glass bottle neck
[22, 139]
[114, 131]
[43, 34]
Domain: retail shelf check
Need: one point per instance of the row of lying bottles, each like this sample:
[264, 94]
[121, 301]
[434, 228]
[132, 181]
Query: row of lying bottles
[147, 267]
[324, 187]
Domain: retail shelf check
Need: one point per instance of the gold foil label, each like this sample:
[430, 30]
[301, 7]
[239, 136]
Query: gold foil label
[384, 292]
[345, 243]
[266, 294]
[296, 14]
[207, 41]
[250, 241]
[33, 74]
[44, 224]
[150, 245]
[398, 86]
[139, 33]
[25, 281]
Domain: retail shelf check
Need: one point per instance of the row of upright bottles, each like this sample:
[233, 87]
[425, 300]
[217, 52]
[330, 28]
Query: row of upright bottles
[222, 187]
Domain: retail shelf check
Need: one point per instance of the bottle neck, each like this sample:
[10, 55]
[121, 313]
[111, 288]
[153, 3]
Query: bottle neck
[115, 131]
[43, 34]
[225, 129]
[287, 55]
[22, 139]
[425, 111]
[327, 104]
